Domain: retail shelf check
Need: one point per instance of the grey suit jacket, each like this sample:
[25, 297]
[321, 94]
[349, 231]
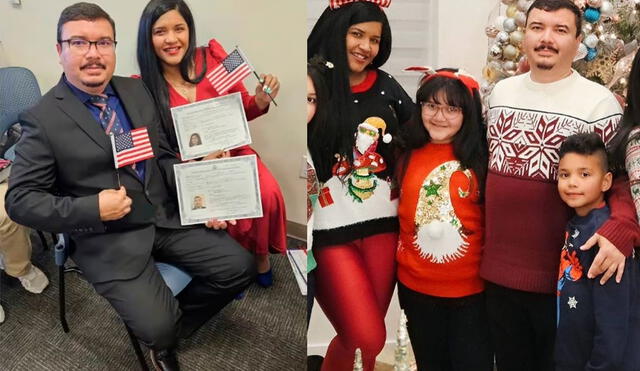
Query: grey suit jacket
[64, 159]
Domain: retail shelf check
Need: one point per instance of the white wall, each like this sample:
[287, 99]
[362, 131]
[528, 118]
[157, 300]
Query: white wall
[460, 42]
[273, 45]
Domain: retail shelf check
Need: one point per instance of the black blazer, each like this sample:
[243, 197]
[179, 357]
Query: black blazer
[64, 159]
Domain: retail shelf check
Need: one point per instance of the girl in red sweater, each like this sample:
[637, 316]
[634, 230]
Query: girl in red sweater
[441, 225]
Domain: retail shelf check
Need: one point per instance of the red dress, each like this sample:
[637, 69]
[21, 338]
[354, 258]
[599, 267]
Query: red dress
[259, 235]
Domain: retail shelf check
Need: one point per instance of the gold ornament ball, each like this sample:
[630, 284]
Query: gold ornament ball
[492, 72]
[622, 82]
[511, 10]
[510, 52]
[521, 19]
[516, 37]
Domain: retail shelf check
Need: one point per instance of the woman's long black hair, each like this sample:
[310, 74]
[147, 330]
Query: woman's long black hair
[320, 75]
[151, 66]
[470, 143]
[328, 40]
[630, 120]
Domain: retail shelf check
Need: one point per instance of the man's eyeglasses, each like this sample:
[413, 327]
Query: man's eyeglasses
[430, 109]
[82, 46]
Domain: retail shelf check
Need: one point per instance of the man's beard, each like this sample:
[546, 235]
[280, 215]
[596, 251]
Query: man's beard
[544, 66]
[363, 142]
[92, 84]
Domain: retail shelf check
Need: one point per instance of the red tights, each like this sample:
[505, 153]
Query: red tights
[354, 284]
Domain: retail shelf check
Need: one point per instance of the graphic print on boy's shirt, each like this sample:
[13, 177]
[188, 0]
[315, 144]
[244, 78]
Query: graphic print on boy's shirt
[570, 269]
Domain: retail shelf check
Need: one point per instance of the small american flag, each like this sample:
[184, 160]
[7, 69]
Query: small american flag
[234, 68]
[334, 4]
[131, 147]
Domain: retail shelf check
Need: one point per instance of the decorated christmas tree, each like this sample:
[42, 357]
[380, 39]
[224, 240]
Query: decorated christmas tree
[610, 29]
[402, 359]
[357, 362]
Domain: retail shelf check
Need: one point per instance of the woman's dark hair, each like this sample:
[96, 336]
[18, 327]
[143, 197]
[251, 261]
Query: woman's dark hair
[630, 120]
[470, 143]
[328, 39]
[318, 143]
[151, 66]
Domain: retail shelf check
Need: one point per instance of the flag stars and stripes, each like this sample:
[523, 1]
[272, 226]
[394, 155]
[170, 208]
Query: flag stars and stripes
[233, 68]
[131, 147]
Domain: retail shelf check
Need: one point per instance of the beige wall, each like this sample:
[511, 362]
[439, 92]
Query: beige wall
[462, 42]
[27, 38]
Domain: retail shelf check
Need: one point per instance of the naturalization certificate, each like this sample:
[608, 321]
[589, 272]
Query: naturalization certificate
[224, 189]
[210, 125]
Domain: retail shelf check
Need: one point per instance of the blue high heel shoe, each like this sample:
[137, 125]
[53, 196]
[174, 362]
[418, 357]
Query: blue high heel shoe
[265, 279]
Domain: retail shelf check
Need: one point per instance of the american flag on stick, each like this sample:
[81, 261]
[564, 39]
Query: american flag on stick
[131, 147]
[234, 68]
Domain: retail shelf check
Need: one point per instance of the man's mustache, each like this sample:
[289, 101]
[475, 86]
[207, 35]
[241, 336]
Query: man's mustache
[547, 47]
[88, 65]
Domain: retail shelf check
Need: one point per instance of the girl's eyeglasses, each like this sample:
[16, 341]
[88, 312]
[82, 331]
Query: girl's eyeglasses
[430, 109]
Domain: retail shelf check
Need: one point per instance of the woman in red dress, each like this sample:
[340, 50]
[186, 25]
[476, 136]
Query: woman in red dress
[175, 71]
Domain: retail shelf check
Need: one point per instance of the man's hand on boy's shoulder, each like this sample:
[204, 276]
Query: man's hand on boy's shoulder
[608, 260]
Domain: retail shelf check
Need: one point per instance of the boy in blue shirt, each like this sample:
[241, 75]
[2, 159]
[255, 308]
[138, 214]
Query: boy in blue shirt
[598, 325]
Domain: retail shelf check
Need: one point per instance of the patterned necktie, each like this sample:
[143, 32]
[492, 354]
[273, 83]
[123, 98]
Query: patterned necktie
[109, 120]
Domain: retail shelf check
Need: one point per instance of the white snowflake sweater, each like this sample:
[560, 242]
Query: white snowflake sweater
[525, 217]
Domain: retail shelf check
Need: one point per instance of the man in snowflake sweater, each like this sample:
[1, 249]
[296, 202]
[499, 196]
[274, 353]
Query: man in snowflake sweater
[529, 116]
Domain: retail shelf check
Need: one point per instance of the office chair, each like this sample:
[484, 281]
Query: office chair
[19, 91]
[175, 278]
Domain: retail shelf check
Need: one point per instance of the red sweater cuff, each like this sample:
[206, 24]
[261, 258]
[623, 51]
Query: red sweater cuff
[621, 237]
[622, 228]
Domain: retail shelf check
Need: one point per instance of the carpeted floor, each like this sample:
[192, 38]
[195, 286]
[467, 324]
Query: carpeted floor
[266, 330]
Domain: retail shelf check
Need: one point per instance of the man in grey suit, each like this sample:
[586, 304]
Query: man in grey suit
[63, 180]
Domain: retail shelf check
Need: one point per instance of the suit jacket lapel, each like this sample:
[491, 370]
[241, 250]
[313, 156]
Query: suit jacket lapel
[72, 106]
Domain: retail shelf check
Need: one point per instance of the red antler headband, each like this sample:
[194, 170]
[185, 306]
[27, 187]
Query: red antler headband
[335, 4]
[430, 73]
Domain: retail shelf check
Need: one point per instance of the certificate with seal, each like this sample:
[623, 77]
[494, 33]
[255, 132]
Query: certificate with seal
[210, 125]
[224, 189]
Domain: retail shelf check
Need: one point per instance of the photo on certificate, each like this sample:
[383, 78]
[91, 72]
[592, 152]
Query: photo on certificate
[211, 125]
[224, 189]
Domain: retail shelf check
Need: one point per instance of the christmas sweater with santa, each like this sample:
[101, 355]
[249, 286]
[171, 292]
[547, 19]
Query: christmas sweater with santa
[441, 225]
[362, 200]
[525, 217]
